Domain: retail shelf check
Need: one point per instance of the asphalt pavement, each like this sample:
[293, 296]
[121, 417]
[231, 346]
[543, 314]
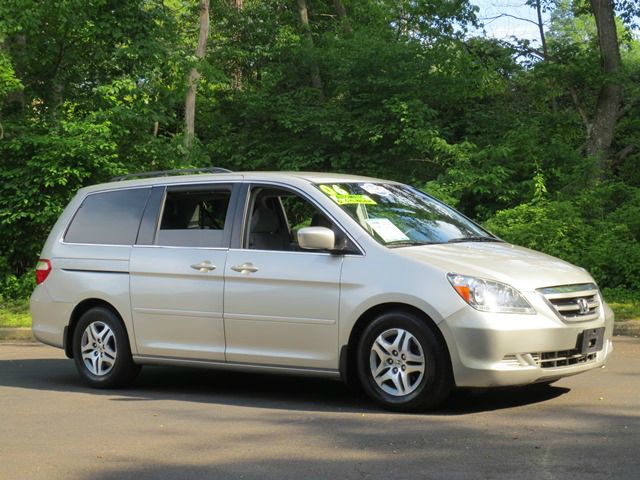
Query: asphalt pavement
[190, 424]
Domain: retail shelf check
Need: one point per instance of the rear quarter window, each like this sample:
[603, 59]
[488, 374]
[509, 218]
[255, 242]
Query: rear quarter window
[108, 218]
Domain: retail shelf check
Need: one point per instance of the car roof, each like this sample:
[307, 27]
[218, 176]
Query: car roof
[287, 177]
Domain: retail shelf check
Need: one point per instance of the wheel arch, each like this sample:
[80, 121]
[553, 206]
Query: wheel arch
[348, 352]
[79, 310]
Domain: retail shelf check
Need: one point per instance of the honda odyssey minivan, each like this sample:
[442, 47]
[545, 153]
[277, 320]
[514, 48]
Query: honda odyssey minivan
[358, 278]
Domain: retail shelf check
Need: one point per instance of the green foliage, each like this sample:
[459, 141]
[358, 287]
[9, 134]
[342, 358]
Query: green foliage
[8, 80]
[624, 303]
[101, 83]
[90, 89]
[14, 289]
[55, 163]
[597, 230]
[14, 314]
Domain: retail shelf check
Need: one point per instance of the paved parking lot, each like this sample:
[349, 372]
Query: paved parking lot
[177, 423]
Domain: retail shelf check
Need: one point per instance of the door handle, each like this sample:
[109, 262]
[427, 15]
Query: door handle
[204, 266]
[245, 268]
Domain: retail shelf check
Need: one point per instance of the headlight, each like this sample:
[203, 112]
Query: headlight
[488, 295]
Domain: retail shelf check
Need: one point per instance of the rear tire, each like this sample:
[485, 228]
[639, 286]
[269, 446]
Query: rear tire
[101, 350]
[402, 364]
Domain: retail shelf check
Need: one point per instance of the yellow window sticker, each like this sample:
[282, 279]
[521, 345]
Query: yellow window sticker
[353, 200]
[339, 190]
[328, 190]
[336, 194]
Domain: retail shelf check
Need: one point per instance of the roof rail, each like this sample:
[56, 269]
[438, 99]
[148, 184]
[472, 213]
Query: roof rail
[168, 173]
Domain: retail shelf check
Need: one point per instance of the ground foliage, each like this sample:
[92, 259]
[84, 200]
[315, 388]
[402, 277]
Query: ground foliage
[94, 88]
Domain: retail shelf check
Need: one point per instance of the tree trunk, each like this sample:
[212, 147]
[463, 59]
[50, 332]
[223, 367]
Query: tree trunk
[55, 94]
[194, 75]
[543, 38]
[316, 80]
[600, 135]
[236, 74]
[342, 15]
[545, 48]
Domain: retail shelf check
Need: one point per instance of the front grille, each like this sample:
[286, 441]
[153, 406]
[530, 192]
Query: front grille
[561, 358]
[574, 303]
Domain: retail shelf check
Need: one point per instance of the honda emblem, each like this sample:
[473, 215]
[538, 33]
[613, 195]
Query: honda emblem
[583, 306]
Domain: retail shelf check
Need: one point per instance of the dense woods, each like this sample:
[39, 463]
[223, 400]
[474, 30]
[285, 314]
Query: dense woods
[540, 141]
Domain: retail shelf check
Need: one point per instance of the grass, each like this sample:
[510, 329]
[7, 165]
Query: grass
[15, 314]
[625, 304]
[629, 310]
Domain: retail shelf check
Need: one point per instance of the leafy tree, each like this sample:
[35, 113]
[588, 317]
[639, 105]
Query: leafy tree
[520, 137]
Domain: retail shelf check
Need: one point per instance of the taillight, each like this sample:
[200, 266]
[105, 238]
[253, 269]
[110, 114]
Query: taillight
[43, 269]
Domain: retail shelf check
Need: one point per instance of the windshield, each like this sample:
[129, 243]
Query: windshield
[398, 215]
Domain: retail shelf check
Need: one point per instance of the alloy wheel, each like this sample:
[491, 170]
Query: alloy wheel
[98, 347]
[397, 362]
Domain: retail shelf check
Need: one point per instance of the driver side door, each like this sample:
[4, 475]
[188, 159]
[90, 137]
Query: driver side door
[281, 303]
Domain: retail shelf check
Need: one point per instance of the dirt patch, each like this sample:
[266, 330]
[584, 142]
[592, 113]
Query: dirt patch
[16, 335]
[630, 328]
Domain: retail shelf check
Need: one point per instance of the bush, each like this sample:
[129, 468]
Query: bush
[13, 288]
[598, 231]
[555, 228]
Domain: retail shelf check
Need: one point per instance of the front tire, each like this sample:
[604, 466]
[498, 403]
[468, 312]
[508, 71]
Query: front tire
[101, 350]
[402, 364]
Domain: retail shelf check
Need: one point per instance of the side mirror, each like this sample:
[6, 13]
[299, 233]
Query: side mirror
[316, 238]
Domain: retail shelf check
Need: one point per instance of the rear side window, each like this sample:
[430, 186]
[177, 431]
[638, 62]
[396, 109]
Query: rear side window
[194, 218]
[108, 218]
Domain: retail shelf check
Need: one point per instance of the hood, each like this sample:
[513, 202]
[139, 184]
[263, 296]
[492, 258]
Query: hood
[519, 267]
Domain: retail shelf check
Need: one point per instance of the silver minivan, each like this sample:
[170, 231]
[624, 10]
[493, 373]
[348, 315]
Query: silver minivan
[367, 280]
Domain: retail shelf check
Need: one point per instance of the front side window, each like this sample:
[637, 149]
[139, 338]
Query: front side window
[194, 218]
[275, 217]
[398, 215]
[108, 218]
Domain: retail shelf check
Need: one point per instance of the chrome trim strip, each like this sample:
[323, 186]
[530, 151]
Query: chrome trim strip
[575, 308]
[181, 313]
[569, 295]
[86, 270]
[63, 242]
[269, 318]
[180, 246]
[248, 251]
[569, 289]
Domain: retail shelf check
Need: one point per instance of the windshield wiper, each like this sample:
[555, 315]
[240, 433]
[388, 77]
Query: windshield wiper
[408, 243]
[474, 239]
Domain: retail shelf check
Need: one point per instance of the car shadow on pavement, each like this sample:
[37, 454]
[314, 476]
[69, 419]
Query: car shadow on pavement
[267, 391]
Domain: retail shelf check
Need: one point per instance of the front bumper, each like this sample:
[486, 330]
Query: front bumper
[490, 350]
